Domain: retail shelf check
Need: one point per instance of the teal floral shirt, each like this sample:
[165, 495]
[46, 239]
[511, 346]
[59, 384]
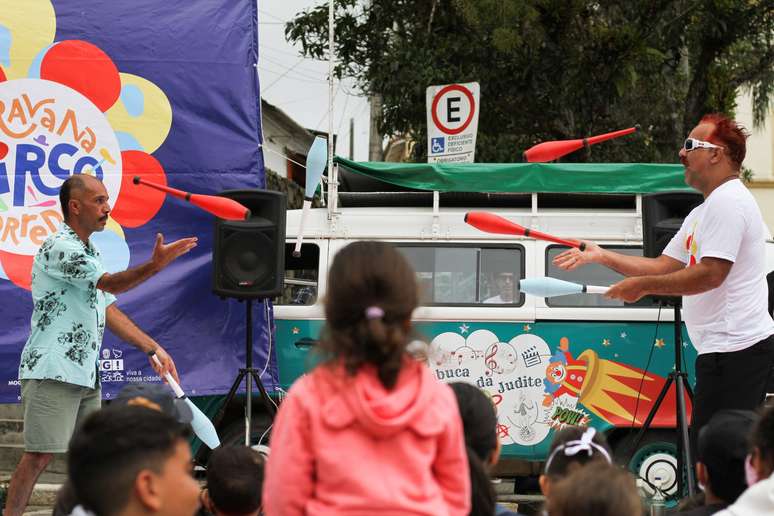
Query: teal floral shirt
[68, 317]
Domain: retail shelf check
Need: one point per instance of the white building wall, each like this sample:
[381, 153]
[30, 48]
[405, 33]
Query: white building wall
[760, 157]
[760, 145]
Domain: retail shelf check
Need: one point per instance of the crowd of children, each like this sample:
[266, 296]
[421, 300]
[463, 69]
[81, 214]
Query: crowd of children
[371, 431]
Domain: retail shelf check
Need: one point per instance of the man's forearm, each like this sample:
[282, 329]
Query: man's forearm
[125, 329]
[638, 265]
[685, 282]
[128, 279]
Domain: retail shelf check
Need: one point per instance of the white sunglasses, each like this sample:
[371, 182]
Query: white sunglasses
[693, 144]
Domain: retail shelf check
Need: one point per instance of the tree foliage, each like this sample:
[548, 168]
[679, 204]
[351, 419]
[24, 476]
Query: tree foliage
[554, 69]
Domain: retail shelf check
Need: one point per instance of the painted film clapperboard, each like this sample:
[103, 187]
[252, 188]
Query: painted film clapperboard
[452, 122]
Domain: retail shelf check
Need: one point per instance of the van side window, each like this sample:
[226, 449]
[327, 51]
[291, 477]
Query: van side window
[466, 275]
[592, 274]
[300, 276]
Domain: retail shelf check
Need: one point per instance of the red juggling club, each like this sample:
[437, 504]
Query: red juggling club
[227, 209]
[549, 151]
[491, 223]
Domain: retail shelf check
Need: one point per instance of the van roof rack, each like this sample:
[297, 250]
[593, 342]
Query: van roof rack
[414, 199]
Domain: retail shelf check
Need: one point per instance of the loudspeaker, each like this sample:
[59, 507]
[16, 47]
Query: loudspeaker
[662, 216]
[248, 257]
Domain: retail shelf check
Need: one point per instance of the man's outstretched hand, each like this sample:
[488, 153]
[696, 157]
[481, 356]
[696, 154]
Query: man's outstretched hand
[573, 258]
[164, 254]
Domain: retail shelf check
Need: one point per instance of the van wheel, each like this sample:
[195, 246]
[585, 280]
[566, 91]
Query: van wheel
[655, 458]
[234, 433]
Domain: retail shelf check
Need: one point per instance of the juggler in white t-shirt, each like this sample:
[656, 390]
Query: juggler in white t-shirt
[727, 225]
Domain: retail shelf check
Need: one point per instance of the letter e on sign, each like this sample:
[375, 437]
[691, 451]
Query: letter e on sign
[453, 109]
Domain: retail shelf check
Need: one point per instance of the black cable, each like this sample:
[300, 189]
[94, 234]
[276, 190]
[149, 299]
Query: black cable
[630, 451]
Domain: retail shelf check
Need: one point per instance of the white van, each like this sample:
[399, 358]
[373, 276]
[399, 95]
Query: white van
[546, 362]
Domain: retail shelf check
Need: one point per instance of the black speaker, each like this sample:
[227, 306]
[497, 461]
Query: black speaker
[662, 216]
[248, 257]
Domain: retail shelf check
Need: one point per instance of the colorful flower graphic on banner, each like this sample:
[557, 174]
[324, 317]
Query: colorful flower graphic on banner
[66, 109]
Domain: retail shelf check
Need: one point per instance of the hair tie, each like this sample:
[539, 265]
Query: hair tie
[374, 312]
[585, 443]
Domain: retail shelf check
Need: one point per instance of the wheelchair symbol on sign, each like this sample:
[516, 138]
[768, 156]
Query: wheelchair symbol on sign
[437, 145]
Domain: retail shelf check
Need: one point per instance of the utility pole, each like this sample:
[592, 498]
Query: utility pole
[351, 138]
[375, 138]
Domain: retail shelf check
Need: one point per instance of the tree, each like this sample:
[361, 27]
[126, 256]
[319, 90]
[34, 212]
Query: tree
[554, 69]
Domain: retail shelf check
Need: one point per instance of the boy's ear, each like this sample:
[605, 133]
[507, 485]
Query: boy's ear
[701, 474]
[146, 490]
[545, 485]
[206, 500]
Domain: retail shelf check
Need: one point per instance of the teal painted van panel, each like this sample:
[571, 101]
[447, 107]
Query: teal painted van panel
[294, 358]
[609, 359]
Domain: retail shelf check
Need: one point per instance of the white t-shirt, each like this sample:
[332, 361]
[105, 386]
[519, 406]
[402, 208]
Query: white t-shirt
[727, 225]
[758, 499]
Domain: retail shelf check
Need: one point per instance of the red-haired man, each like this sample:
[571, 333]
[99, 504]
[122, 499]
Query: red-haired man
[717, 263]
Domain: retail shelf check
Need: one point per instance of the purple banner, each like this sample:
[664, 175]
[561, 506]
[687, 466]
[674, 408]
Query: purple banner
[164, 89]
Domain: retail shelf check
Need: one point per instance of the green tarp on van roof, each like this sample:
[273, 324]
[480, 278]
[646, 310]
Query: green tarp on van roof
[609, 178]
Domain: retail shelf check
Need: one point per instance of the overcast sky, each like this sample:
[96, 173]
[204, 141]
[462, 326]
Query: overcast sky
[298, 86]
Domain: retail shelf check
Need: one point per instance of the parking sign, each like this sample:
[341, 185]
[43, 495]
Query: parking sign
[452, 122]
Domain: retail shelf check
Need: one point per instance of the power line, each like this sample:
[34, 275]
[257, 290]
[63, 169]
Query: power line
[293, 76]
[293, 54]
[284, 74]
[343, 136]
[305, 73]
[317, 127]
[271, 15]
[264, 147]
[296, 101]
[343, 113]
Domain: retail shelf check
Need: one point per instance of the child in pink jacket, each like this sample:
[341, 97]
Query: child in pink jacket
[370, 431]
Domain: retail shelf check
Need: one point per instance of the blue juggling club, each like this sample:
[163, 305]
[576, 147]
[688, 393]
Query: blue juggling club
[552, 287]
[202, 426]
[315, 165]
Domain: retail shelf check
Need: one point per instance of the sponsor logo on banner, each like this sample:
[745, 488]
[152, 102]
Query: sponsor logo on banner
[111, 369]
[111, 365]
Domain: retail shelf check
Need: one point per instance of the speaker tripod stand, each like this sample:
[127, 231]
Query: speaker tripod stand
[249, 374]
[679, 378]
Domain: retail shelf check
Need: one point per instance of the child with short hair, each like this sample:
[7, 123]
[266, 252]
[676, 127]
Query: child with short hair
[720, 458]
[234, 481]
[370, 430]
[759, 496]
